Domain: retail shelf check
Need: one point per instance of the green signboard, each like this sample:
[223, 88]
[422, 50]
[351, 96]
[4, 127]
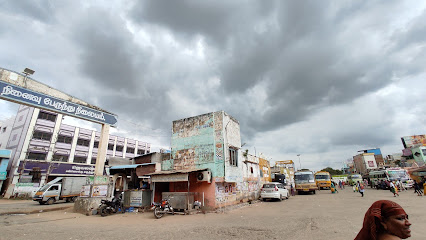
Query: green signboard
[3, 175]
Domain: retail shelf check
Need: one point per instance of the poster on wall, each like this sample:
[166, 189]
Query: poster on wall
[85, 191]
[100, 191]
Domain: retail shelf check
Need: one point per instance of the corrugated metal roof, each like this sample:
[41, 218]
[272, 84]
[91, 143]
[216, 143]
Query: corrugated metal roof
[130, 166]
[177, 171]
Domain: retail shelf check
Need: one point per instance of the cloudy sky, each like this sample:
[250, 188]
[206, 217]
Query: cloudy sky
[322, 79]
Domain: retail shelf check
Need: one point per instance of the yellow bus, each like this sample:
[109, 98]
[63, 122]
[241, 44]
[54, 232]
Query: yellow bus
[323, 179]
[304, 181]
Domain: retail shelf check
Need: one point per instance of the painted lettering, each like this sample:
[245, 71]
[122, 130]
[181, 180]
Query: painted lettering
[8, 90]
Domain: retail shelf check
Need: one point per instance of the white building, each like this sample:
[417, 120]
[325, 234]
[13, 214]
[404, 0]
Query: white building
[41, 143]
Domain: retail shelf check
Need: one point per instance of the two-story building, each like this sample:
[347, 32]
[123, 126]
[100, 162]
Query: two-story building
[206, 160]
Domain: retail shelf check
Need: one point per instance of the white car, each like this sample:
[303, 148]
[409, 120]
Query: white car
[273, 190]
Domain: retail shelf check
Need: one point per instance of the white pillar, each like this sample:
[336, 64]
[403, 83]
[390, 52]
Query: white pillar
[102, 150]
[74, 145]
[92, 142]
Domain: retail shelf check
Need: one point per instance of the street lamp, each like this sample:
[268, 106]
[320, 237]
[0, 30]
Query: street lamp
[300, 165]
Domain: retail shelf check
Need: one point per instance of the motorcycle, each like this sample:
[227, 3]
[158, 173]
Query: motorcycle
[109, 207]
[162, 208]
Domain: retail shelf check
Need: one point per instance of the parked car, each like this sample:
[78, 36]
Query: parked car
[274, 190]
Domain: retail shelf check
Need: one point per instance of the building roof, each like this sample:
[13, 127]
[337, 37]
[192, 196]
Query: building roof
[177, 171]
[130, 166]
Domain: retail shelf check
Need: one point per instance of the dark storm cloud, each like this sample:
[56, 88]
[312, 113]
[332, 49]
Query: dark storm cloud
[108, 54]
[295, 47]
[217, 20]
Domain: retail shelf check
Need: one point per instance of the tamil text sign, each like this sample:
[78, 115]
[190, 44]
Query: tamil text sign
[24, 96]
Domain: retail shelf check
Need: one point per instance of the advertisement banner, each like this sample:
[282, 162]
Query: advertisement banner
[85, 191]
[100, 191]
[59, 168]
[414, 141]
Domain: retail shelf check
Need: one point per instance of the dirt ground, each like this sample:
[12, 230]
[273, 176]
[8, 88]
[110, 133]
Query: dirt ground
[320, 216]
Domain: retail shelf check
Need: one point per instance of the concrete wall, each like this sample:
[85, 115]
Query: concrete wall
[193, 144]
[203, 142]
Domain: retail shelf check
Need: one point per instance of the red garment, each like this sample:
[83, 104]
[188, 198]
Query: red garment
[378, 210]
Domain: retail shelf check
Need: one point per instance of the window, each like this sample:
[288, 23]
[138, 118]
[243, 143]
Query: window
[233, 157]
[130, 150]
[93, 160]
[37, 156]
[96, 144]
[60, 158]
[141, 152]
[64, 139]
[14, 137]
[78, 159]
[424, 152]
[42, 135]
[47, 116]
[83, 142]
[110, 146]
[4, 129]
[36, 175]
[119, 148]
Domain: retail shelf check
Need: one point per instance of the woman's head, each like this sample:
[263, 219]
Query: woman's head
[397, 225]
[385, 216]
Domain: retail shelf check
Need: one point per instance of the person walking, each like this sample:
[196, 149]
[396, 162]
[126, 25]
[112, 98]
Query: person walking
[385, 220]
[292, 189]
[361, 189]
[393, 189]
[417, 188]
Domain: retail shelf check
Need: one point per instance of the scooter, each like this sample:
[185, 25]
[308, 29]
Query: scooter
[109, 207]
[162, 208]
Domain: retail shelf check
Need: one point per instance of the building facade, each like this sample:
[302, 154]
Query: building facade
[44, 148]
[364, 162]
[209, 144]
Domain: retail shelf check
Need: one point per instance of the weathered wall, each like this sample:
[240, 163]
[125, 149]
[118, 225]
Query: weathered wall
[265, 170]
[194, 144]
[203, 142]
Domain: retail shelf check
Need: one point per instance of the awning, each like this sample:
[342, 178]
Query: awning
[130, 166]
[173, 176]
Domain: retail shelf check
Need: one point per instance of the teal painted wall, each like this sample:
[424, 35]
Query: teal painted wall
[197, 143]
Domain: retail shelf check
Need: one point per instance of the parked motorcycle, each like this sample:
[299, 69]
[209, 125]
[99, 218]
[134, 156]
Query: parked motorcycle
[162, 208]
[109, 207]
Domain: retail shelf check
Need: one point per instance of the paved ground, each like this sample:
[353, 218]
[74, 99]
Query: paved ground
[320, 216]
[28, 206]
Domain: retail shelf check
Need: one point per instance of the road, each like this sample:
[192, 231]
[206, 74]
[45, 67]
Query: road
[320, 216]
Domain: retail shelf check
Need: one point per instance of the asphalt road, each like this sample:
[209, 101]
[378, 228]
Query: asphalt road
[320, 216]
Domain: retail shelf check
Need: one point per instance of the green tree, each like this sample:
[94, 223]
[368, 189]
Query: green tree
[333, 171]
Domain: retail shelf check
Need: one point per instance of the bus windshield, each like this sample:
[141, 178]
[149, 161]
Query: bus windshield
[322, 177]
[397, 174]
[304, 178]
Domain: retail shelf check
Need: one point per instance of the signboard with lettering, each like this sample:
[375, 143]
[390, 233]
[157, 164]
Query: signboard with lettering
[99, 190]
[58, 168]
[24, 96]
[85, 191]
[3, 168]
